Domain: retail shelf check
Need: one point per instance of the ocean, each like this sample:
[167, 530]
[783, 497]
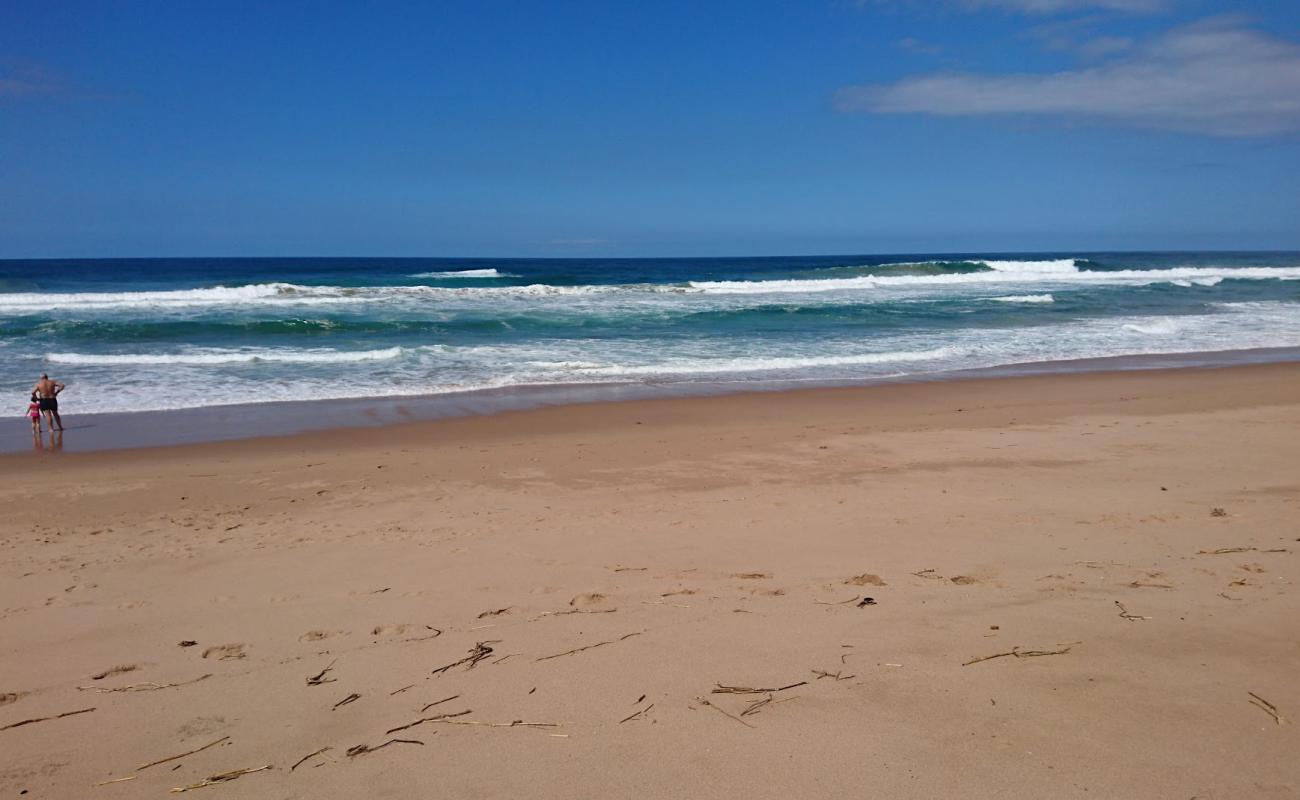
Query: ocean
[130, 335]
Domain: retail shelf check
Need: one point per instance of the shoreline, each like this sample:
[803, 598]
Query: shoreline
[173, 427]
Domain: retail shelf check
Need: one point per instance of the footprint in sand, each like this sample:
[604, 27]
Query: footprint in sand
[316, 636]
[201, 725]
[865, 579]
[10, 697]
[751, 576]
[587, 599]
[223, 652]
[403, 628]
[118, 670]
[965, 580]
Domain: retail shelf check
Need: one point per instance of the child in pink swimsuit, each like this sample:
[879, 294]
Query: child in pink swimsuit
[34, 412]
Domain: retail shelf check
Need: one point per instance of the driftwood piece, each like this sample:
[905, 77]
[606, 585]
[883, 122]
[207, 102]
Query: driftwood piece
[519, 723]
[589, 647]
[182, 755]
[222, 778]
[1018, 653]
[46, 719]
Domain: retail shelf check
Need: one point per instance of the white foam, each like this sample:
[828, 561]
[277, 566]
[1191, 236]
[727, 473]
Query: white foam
[1060, 266]
[1159, 326]
[216, 356]
[462, 273]
[705, 366]
[1025, 298]
[1037, 273]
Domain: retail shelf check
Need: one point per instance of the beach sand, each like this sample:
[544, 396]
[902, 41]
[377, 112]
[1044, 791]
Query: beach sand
[1122, 548]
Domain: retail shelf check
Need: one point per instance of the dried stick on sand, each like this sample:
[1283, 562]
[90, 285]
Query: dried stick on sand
[182, 755]
[633, 716]
[589, 647]
[423, 720]
[1266, 706]
[222, 778]
[1018, 653]
[45, 719]
[480, 651]
[1123, 612]
[298, 763]
[720, 689]
[722, 711]
[361, 749]
[319, 677]
[143, 687]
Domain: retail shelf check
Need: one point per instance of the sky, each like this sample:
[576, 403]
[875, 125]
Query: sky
[612, 128]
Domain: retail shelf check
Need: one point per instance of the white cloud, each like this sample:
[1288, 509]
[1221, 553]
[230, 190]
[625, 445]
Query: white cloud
[1214, 78]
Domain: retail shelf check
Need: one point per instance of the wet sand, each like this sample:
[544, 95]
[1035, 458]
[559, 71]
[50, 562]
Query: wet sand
[1077, 583]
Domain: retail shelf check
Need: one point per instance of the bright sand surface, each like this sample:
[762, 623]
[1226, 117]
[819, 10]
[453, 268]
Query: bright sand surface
[1126, 544]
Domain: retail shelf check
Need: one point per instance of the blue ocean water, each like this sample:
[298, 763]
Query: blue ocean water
[149, 334]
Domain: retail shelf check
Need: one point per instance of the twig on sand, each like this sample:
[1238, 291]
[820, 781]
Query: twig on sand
[589, 647]
[634, 715]
[480, 651]
[720, 689]
[839, 676]
[362, 749]
[352, 698]
[298, 763]
[928, 574]
[423, 720]
[439, 702]
[222, 778]
[722, 711]
[1018, 653]
[1123, 612]
[182, 755]
[45, 719]
[113, 780]
[573, 611]
[495, 612]
[1266, 706]
[142, 687]
[399, 691]
[519, 723]
[319, 677]
[756, 706]
[852, 599]
[1226, 550]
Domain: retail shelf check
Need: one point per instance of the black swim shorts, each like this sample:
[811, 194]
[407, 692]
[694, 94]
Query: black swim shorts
[48, 403]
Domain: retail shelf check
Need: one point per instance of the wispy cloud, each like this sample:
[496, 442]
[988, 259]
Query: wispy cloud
[576, 242]
[1214, 77]
[1042, 7]
[16, 81]
[1060, 6]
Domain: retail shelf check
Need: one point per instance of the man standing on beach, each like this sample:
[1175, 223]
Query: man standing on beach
[47, 395]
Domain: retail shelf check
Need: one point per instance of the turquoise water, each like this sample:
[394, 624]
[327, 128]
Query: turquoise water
[149, 334]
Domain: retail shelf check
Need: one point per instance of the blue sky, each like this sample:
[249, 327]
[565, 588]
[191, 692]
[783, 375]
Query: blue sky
[637, 129]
